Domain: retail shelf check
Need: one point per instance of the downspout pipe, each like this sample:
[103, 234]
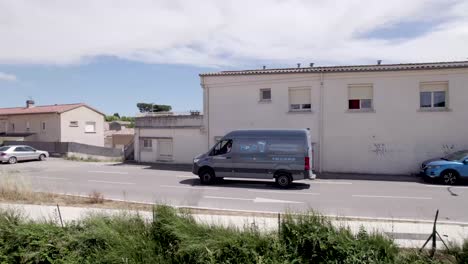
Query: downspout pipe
[322, 110]
[206, 106]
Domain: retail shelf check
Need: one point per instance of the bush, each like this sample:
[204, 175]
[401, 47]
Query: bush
[313, 239]
[175, 237]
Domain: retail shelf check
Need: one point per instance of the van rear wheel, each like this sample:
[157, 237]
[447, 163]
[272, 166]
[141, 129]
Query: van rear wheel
[283, 180]
[206, 177]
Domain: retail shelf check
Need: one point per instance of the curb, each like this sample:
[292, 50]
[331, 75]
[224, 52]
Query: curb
[271, 214]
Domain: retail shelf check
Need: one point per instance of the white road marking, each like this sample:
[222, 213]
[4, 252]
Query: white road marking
[227, 198]
[112, 182]
[189, 187]
[49, 178]
[391, 197]
[330, 182]
[109, 172]
[256, 200]
[285, 192]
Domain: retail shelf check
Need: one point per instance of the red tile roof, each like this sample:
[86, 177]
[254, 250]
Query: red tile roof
[43, 109]
[349, 68]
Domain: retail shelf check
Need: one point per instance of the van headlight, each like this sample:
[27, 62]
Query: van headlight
[433, 167]
[196, 160]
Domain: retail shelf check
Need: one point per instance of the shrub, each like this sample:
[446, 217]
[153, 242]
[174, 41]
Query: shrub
[175, 237]
[313, 239]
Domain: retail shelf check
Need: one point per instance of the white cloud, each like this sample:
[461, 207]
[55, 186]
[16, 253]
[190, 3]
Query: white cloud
[229, 32]
[7, 77]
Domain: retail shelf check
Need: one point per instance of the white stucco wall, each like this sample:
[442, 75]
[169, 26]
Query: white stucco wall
[392, 140]
[187, 143]
[50, 134]
[397, 137]
[78, 134]
[234, 103]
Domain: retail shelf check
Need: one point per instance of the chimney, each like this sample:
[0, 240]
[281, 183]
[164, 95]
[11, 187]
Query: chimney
[29, 103]
[379, 62]
[311, 64]
[298, 65]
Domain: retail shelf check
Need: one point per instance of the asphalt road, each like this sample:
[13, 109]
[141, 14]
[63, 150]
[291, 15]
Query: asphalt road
[362, 198]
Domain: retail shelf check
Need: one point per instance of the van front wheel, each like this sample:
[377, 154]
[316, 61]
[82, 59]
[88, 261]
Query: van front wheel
[206, 177]
[283, 180]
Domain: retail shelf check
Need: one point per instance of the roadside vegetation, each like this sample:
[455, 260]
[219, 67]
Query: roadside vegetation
[17, 189]
[91, 159]
[173, 236]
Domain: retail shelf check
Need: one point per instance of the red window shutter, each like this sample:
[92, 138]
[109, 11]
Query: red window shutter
[354, 104]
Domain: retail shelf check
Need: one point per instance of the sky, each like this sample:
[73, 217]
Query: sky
[112, 54]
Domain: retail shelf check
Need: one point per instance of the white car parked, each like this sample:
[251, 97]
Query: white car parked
[15, 153]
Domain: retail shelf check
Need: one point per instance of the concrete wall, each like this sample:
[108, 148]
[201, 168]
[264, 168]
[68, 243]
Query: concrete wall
[187, 143]
[169, 121]
[393, 139]
[120, 141]
[234, 103]
[50, 134]
[78, 134]
[397, 137]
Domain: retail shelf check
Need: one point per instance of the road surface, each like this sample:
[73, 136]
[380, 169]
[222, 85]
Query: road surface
[361, 198]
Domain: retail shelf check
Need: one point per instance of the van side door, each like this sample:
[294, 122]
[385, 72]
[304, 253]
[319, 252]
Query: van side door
[221, 158]
[250, 159]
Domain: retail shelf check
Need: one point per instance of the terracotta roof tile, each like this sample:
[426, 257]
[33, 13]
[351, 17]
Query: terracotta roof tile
[44, 109]
[349, 68]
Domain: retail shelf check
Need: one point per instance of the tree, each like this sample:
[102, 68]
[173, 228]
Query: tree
[146, 108]
[111, 118]
[117, 115]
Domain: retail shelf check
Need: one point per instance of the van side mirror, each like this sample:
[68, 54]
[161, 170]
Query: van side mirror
[465, 162]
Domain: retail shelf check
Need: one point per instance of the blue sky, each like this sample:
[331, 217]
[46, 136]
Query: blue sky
[109, 84]
[114, 54]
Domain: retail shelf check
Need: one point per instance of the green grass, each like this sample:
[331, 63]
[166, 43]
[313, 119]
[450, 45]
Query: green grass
[175, 237]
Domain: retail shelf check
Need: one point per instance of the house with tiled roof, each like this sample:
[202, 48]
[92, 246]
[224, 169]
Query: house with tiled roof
[78, 123]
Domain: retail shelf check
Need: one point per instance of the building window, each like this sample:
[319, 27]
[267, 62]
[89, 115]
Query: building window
[360, 97]
[433, 95]
[299, 99]
[28, 126]
[265, 95]
[90, 127]
[12, 127]
[73, 123]
[43, 126]
[147, 143]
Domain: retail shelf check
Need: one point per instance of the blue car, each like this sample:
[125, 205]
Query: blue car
[449, 169]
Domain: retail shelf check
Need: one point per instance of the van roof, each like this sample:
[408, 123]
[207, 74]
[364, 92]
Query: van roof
[268, 132]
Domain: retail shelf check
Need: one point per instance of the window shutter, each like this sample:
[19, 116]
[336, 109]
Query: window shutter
[434, 86]
[299, 95]
[90, 127]
[358, 92]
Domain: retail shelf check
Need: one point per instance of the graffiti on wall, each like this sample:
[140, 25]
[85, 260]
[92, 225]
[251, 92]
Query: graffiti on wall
[380, 149]
[448, 148]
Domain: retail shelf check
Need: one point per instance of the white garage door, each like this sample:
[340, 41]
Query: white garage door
[165, 149]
